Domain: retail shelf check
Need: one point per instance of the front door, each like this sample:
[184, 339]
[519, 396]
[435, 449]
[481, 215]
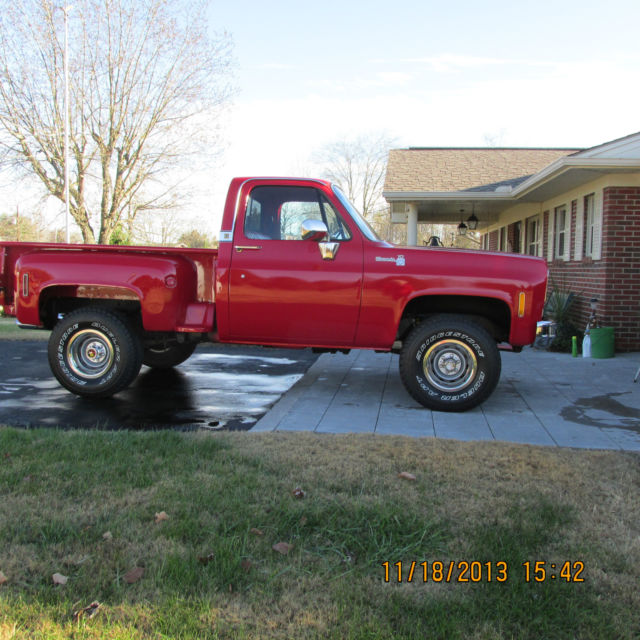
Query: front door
[281, 288]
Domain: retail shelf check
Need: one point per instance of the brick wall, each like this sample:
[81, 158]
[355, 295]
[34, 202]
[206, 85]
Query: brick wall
[615, 279]
[621, 247]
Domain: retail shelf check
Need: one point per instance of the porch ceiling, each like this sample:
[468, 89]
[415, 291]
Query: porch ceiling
[449, 211]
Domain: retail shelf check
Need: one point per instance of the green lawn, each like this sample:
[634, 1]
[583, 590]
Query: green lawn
[210, 570]
[10, 331]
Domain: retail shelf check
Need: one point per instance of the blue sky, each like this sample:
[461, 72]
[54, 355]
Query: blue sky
[562, 73]
[457, 73]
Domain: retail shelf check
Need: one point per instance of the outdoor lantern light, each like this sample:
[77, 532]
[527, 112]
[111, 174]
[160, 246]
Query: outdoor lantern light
[593, 303]
[462, 227]
[472, 221]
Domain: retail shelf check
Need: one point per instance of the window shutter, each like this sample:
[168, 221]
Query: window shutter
[580, 222]
[540, 231]
[566, 256]
[550, 235]
[597, 226]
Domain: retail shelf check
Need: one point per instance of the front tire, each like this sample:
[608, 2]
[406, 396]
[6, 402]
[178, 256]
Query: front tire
[450, 363]
[94, 353]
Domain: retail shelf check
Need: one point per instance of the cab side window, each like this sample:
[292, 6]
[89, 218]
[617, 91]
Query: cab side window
[277, 213]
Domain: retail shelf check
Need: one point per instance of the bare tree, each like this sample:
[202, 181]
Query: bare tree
[358, 166]
[161, 229]
[19, 227]
[147, 82]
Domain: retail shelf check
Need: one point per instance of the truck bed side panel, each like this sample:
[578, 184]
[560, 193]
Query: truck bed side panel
[175, 287]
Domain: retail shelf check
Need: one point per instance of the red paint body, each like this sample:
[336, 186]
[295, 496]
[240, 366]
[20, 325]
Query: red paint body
[276, 292]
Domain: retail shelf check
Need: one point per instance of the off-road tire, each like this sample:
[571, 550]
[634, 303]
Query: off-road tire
[94, 352]
[450, 363]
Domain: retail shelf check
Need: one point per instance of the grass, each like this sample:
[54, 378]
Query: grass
[10, 331]
[210, 570]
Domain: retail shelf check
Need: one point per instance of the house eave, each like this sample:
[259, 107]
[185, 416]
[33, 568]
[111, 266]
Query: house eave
[393, 196]
[595, 166]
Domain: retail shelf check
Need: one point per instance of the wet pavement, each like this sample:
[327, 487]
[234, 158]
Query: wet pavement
[219, 387]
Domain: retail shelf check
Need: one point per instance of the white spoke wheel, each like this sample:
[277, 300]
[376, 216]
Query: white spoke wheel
[94, 352]
[450, 363]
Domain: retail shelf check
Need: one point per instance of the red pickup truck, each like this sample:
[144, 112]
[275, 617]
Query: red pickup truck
[297, 266]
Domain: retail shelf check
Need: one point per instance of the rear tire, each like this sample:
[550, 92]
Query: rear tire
[450, 363]
[94, 353]
[168, 356]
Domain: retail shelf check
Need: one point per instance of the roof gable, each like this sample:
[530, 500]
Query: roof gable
[459, 169]
[622, 148]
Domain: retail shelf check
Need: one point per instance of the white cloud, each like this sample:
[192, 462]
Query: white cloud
[274, 66]
[446, 62]
[393, 78]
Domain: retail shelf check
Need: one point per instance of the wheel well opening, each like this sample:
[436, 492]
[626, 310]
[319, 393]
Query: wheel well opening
[492, 314]
[59, 302]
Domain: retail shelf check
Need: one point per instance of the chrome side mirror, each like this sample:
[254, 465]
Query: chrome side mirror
[314, 230]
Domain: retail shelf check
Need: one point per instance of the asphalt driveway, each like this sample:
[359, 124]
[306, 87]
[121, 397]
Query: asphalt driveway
[219, 387]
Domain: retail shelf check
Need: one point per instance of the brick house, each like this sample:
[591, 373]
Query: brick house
[577, 208]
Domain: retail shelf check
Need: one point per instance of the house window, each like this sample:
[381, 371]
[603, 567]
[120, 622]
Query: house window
[533, 236]
[589, 223]
[517, 233]
[561, 232]
[502, 239]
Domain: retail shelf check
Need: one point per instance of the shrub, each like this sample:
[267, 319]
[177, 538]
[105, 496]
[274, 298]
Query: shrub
[558, 308]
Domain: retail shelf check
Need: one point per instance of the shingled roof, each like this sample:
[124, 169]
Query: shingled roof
[454, 169]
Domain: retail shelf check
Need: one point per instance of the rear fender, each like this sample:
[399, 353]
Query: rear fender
[164, 285]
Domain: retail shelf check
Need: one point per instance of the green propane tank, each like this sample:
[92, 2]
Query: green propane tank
[602, 342]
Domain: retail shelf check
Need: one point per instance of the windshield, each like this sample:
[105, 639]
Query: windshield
[363, 225]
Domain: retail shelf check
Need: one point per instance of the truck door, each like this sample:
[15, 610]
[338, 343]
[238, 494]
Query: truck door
[287, 290]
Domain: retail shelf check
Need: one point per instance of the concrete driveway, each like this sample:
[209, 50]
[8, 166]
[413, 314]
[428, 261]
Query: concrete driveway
[542, 398]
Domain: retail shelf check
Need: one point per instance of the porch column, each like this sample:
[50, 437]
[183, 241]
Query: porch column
[412, 224]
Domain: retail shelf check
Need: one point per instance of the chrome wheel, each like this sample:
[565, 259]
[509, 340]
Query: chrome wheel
[450, 365]
[90, 354]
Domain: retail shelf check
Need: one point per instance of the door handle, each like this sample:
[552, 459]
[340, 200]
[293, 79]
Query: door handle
[240, 248]
[328, 250]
